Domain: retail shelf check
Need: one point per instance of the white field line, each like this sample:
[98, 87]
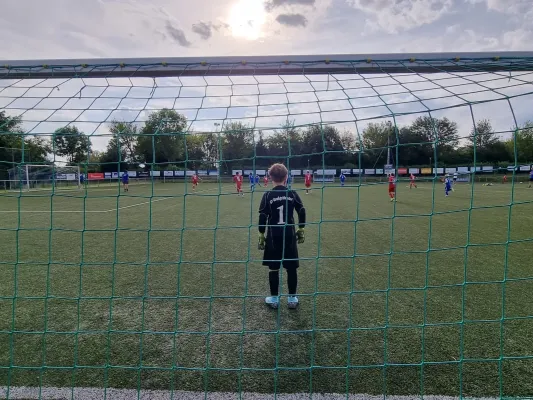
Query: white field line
[81, 393]
[101, 211]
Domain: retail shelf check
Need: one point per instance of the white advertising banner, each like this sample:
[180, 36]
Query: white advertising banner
[168, 173]
[326, 172]
[155, 173]
[370, 171]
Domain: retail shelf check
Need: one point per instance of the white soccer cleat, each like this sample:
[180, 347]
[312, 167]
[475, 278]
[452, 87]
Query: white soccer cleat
[292, 302]
[272, 301]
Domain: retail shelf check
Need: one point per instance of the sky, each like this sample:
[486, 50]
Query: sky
[179, 28]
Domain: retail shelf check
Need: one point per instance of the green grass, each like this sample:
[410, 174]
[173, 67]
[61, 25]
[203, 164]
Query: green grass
[430, 295]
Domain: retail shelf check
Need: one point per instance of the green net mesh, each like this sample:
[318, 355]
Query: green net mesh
[157, 290]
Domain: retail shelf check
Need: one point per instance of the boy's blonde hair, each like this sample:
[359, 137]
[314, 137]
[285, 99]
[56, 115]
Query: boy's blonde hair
[278, 173]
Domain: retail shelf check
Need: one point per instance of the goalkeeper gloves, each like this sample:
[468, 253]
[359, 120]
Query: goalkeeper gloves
[300, 235]
[261, 242]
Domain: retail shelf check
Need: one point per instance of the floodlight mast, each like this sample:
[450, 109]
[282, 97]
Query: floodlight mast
[268, 65]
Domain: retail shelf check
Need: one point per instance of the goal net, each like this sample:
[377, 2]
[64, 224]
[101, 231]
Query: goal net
[151, 284]
[30, 176]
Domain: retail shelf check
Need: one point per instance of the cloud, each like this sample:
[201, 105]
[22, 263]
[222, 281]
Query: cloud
[272, 4]
[393, 16]
[177, 34]
[203, 29]
[292, 19]
[507, 6]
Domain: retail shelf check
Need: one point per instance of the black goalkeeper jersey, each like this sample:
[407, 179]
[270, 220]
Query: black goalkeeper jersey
[276, 216]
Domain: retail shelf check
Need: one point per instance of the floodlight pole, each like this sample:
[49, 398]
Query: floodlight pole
[27, 178]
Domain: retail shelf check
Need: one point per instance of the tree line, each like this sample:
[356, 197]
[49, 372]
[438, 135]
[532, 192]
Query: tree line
[164, 143]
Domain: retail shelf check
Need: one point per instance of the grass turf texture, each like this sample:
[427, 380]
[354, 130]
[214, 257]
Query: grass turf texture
[140, 291]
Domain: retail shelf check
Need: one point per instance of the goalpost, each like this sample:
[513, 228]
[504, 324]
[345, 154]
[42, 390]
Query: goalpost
[39, 176]
[414, 297]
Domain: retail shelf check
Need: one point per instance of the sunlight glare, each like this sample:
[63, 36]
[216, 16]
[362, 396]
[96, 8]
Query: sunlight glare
[246, 19]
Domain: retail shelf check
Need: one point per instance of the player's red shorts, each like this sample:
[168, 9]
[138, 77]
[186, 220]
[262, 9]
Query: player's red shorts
[391, 187]
[239, 186]
[307, 184]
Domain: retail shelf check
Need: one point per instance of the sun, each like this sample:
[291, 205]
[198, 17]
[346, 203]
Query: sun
[246, 19]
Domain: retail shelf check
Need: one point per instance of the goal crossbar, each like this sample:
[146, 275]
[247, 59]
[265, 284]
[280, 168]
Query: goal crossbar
[267, 65]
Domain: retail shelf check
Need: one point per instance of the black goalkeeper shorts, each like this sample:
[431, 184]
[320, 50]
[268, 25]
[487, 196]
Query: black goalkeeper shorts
[277, 254]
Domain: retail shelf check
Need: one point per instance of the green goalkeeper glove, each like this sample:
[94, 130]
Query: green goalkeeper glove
[261, 242]
[300, 235]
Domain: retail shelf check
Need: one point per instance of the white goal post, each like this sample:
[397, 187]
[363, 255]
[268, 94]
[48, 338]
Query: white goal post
[30, 176]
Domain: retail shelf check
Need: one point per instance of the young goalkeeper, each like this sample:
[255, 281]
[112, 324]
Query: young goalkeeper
[280, 244]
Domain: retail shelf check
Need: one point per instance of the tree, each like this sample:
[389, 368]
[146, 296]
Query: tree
[210, 149]
[413, 148]
[162, 138]
[374, 139]
[126, 135]
[237, 144]
[442, 132]
[194, 151]
[524, 143]
[482, 135]
[16, 146]
[71, 143]
[322, 144]
[114, 157]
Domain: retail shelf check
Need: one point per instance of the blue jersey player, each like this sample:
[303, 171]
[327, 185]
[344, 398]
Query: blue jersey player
[257, 179]
[447, 185]
[252, 181]
[530, 178]
[125, 181]
[342, 178]
[289, 180]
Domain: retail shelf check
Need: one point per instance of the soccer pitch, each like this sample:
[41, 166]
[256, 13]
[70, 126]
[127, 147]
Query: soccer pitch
[162, 288]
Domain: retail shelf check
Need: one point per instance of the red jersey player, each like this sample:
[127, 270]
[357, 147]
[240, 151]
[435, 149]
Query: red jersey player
[412, 183]
[265, 181]
[505, 178]
[238, 183]
[308, 178]
[392, 187]
[194, 180]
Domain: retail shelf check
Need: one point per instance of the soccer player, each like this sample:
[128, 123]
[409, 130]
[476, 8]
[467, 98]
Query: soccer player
[308, 178]
[257, 179]
[392, 187]
[530, 178]
[238, 183]
[505, 178]
[454, 178]
[289, 180]
[126, 181]
[265, 181]
[447, 185]
[276, 217]
[412, 183]
[195, 180]
[342, 177]
[252, 181]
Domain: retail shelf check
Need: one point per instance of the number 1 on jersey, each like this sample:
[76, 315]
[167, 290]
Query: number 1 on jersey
[281, 221]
